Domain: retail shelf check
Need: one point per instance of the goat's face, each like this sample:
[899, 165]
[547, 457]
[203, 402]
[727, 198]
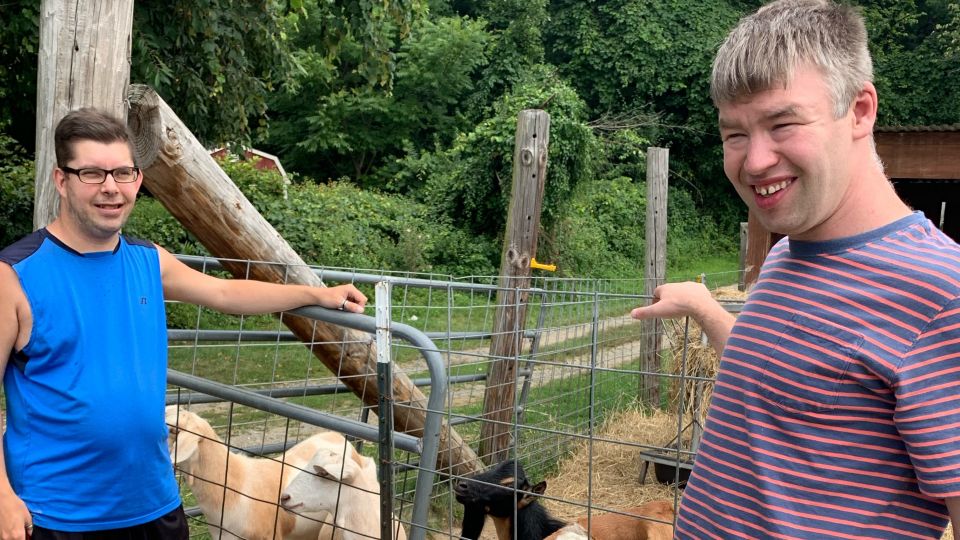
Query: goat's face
[498, 490]
[183, 439]
[319, 486]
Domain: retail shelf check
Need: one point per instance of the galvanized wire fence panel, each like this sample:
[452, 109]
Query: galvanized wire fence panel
[578, 379]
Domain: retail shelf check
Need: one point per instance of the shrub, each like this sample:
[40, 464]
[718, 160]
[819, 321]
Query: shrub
[601, 233]
[335, 224]
[16, 191]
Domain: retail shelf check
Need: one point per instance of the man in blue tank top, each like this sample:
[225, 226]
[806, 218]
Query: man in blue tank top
[836, 410]
[83, 351]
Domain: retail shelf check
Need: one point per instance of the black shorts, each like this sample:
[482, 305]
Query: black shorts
[172, 526]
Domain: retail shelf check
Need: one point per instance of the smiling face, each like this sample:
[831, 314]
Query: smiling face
[792, 161]
[91, 215]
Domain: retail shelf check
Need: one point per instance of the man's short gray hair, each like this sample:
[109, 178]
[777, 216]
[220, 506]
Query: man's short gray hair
[768, 46]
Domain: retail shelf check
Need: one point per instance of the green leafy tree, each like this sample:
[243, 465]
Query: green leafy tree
[16, 191]
[216, 61]
[650, 57]
[470, 182]
[517, 28]
[950, 34]
[332, 123]
[915, 71]
[641, 54]
[213, 61]
[19, 41]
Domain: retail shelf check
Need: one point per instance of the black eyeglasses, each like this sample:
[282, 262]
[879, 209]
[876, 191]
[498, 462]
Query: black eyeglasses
[96, 175]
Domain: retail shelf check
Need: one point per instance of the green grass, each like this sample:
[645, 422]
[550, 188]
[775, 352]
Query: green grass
[721, 270]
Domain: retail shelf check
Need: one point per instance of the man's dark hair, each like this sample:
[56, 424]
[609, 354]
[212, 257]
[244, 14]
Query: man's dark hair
[88, 124]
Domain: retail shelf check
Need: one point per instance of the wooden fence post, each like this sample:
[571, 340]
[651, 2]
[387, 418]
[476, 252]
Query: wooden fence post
[742, 274]
[658, 169]
[84, 61]
[759, 243]
[519, 247]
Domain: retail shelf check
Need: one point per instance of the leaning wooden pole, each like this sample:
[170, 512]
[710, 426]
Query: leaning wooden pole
[83, 61]
[180, 173]
[519, 248]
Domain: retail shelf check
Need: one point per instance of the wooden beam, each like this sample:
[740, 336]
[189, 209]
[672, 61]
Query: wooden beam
[930, 155]
[519, 248]
[180, 173]
[84, 61]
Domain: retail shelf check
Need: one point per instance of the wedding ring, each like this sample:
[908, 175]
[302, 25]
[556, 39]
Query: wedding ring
[343, 304]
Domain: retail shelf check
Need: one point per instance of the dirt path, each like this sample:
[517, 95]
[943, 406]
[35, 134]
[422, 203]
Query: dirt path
[574, 361]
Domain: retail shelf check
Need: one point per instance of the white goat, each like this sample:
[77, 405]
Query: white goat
[247, 507]
[347, 489]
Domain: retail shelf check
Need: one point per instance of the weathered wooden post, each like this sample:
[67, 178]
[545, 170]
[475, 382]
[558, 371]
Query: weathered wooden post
[519, 247]
[742, 263]
[759, 243]
[658, 172]
[84, 61]
[180, 173]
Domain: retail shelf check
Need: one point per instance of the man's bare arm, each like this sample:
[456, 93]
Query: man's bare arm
[689, 299]
[14, 516]
[248, 297]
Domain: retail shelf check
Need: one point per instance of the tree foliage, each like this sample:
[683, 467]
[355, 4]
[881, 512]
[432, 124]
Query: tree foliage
[213, 61]
[398, 116]
[911, 47]
[331, 123]
[516, 28]
[470, 182]
[216, 61]
[651, 56]
[16, 191]
[19, 42]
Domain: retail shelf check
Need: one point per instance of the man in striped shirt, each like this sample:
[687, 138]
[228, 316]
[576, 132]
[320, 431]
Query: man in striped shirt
[836, 411]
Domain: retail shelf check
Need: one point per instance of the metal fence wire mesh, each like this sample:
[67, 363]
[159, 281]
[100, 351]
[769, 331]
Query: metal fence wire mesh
[585, 416]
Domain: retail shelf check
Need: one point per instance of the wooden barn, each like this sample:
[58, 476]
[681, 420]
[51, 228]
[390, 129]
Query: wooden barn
[923, 162]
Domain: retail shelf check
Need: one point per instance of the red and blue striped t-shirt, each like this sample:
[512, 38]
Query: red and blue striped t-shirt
[836, 412]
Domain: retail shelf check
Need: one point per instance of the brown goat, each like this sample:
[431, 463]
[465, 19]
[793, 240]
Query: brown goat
[615, 526]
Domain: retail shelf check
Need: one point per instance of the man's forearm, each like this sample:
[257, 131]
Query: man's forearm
[716, 323]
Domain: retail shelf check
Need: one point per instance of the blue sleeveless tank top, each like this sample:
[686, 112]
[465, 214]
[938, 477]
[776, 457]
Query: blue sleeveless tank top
[85, 444]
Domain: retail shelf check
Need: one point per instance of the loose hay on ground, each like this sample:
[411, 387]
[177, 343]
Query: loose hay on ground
[615, 467]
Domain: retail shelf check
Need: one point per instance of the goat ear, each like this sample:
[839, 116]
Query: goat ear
[185, 447]
[530, 498]
[355, 456]
[344, 470]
